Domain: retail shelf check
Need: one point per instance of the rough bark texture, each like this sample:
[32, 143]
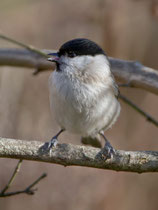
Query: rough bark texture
[69, 155]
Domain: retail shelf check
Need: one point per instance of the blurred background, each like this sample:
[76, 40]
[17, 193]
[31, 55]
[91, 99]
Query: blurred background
[126, 29]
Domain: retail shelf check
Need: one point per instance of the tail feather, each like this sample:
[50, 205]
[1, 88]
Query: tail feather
[93, 141]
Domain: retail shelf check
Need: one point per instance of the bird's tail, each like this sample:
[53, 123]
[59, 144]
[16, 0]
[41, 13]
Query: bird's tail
[93, 141]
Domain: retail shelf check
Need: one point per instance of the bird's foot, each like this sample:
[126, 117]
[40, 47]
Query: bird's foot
[108, 151]
[49, 145]
[52, 143]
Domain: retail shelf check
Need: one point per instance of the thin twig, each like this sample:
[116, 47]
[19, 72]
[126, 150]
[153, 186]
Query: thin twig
[31, 48]
[28, 190]
[17, 168]
[139, 110]
[35, 182]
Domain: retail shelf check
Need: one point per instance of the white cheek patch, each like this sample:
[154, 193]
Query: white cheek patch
[91, 65]
[76, 63]
[81, 62]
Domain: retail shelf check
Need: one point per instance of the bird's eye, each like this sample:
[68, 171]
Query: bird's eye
[71, 54]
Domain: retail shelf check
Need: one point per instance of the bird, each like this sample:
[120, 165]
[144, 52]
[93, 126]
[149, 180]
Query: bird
[83, 92]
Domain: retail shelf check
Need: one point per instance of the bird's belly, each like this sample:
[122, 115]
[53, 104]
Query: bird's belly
[87, 120]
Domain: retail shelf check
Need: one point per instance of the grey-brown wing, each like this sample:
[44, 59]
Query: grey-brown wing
[115, 86]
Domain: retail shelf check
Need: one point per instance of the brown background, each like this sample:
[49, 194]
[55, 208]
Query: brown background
[126, 29]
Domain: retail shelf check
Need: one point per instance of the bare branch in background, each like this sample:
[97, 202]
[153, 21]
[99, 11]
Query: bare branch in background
[125, 71]
[139, 110]
[24, 58]
[73, 155]
[133, 73]
[16, 170]
[28, 190]
[129, 72]
[21, 44]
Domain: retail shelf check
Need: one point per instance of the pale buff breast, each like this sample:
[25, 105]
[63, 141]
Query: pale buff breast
[79, 110]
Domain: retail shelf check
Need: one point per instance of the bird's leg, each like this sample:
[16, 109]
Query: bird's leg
[54, 141]
[108, 150]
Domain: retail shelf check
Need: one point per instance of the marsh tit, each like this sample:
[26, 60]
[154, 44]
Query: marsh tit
[83, 92]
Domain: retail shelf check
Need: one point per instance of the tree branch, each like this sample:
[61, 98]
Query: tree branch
[125, 69]
[69, 155]
[28, 190]
[21, 44]
[139, 110]
[17, 168]
[24, 58]
[133, 73]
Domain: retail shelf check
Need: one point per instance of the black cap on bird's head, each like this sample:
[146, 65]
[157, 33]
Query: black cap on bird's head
[79, 47]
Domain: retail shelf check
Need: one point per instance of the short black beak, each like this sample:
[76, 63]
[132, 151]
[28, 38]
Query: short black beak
[55, 57]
